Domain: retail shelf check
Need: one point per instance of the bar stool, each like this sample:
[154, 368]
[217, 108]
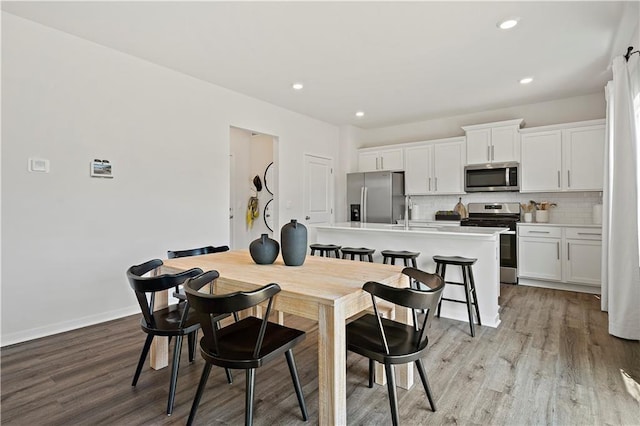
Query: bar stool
[403, 254]
[362, 252]
[468, 284]
[325, 250]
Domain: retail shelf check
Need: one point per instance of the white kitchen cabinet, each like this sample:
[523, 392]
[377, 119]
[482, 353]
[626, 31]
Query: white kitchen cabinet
[539, 252]
[583, 255]
[583, 158]
[371, 160]
[435, 167]
[493, 142]
[566, 157]
[560, 255]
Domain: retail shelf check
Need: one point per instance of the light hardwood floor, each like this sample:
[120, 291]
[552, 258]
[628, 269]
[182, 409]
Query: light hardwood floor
[551, 361]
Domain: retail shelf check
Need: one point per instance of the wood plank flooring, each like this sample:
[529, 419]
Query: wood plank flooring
[551, 361]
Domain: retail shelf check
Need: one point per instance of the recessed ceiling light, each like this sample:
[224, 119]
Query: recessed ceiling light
[508, 23]
[359, 114]
[526, 80]
[297, 86]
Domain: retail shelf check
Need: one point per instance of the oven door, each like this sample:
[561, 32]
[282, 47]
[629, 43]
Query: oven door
[508, 258]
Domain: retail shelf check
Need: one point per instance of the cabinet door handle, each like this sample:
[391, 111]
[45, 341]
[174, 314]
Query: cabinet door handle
[569, 178]
[590, 233]
[558, 178]
[429, 184]
[568, 251]
[493, 153]
[488, 153]
[538, 232]
[436, 183]
[377, 163]
[558, 251]
[381, 163]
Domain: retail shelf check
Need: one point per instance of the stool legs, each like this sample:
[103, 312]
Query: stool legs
[475, 296]
[467, 296]
[469, 293]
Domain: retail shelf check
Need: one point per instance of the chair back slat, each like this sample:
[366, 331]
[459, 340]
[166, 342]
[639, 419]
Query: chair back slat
[172, 254]
[383, 336]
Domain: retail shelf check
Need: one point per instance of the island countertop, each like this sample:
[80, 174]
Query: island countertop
[422, 228]
[428, 240]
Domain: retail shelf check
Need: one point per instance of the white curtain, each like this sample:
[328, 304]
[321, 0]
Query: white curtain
[621, 211]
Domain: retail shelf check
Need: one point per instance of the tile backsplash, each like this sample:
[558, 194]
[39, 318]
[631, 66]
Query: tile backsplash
[572, 207]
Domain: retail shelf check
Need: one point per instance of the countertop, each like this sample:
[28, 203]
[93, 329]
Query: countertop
[421, 228]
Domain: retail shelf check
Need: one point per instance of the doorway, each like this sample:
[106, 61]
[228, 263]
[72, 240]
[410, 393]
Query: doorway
[253, 186]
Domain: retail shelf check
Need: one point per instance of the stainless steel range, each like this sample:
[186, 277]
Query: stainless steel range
[499, 215]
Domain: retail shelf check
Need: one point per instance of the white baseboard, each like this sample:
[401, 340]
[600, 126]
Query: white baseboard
[560, 286]
[61, 327]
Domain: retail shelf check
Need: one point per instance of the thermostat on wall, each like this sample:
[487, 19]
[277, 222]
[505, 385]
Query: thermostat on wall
[38, 165]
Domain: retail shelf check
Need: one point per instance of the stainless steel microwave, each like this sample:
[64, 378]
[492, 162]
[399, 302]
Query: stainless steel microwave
[492, 177]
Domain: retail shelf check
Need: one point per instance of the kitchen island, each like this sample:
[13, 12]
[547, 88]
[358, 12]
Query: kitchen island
[432, 239]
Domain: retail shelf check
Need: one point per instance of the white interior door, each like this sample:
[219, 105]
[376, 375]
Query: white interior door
[318, 189]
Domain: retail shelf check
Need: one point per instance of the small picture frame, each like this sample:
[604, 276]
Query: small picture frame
[101, 169]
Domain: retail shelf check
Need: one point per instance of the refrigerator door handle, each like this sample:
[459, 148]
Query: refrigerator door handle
[363, 213]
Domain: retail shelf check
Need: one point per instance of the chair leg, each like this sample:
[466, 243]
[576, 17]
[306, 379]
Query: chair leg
[371, 372]
[296, 383]
[467, 296]
[248, 404]
[229, 375]
[425, 383]
[143, 357]
[393, 398]
[174, 374]
[191, 338]
[199, 392]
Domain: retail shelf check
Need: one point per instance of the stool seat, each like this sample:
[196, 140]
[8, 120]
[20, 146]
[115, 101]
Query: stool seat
[361, 252]
[470, 296]
[455, 260]
[401, 254]
[325, 250]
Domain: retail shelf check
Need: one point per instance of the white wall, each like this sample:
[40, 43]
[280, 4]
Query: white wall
[68, 238]
[589, 107]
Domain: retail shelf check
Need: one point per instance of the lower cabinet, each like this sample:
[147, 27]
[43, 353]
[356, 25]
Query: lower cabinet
[560, 254]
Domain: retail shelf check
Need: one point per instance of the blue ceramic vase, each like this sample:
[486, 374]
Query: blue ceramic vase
[264, 250]
[293, 237]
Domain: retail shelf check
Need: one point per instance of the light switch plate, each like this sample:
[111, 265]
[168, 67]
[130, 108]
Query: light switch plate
[39, 165]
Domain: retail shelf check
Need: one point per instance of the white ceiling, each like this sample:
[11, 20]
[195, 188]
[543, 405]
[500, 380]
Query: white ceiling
[397, 61]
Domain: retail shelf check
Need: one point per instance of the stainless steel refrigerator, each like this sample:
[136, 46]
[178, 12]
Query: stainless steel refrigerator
[375, 196]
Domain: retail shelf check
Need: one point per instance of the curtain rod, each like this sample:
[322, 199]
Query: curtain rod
[629, 53]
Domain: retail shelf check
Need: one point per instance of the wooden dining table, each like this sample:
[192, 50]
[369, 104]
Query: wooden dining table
[323, 289]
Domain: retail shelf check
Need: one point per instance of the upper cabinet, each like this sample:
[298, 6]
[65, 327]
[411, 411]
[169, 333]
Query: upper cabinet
[493, 142]
[376, 159]
[435, 167]
[568, 157]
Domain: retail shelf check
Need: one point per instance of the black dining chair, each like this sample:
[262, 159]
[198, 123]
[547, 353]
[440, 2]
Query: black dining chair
[390, 342]
[172, 321]
[173, 254]
[247, 344]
